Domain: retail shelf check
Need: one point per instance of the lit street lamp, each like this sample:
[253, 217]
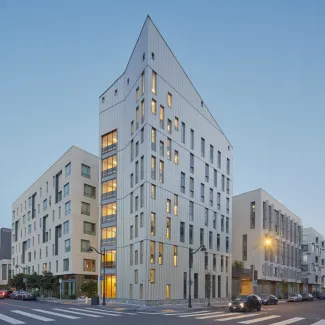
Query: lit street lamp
[190, 264]
[267, 242]
[91, 249]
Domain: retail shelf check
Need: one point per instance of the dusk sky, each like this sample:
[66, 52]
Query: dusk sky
[258, 65]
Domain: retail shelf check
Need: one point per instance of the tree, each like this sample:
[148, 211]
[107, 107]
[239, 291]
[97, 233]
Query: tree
[35, 280]
[49, 281]
[238, 264]
[89, 288]
[17, 281]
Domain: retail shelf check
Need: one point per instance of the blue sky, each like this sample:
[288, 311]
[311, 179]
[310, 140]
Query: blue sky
[259, 65]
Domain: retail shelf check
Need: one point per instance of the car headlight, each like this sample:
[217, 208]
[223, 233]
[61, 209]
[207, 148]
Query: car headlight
[241, 305]
[230, 304]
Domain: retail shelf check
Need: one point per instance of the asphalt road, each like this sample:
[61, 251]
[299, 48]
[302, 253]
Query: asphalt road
[37, 313]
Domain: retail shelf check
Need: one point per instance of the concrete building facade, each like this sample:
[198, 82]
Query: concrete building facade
[313, 261]
[55, 221]
[258, 219]
[166, 182]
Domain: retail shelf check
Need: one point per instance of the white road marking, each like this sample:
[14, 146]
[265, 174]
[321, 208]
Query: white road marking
[11, 320]
[96, 312]
[56, 314]
[43, 319]
[320, 322]
[185, 313]
[215, 316]
[205, 314]
[289, 321]
[75, 312]
[256, 320]
[235, 317]
[111, 311]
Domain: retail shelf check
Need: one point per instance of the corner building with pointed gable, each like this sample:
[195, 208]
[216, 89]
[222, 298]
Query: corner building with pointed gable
[166, 183]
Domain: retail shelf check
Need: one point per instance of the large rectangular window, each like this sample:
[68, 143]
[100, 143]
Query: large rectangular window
[153, 167]
[109, 166]
[219, 159]
[109, 189]
[252, 211]
[175, 255]
[245, 247]
[183, 132]
[191, 235]
[90, 191]
[137, 117]
[109, 212]
[168, 228]
[109, 142]
[153, 224]
[175, 204]
[202, 147]
[89, 265]
[162, 117]
[211, 153]
[202, 192]
[108, 236]
[142, 111]
[192, 163]
[169, 149]
[161, 254]
[152, 252]
[161, 171]
[109, 260]
[85, 209]
[192, 139]
[89, 228]
[169, 100]
[85, 171]
[154, 82]
[191, 210]
[153, 106]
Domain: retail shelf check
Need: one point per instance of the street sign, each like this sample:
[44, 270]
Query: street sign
[101, 278]
[255, 283]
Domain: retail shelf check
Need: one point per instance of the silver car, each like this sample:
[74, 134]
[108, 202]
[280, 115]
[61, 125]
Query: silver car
[295, 298]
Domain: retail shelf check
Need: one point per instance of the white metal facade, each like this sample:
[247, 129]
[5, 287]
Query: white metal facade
[117, 112]
[313, 260]
[279, 262]
[49, 238]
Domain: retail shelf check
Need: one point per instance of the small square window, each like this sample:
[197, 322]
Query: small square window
[115, 92]
[152, 55]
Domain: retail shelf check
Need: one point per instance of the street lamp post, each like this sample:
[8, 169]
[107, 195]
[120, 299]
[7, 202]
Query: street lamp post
[91, 249]
[267, 242]
[190, 264]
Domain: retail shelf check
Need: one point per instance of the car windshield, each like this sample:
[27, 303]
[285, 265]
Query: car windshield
[265, 297]
[242, 298]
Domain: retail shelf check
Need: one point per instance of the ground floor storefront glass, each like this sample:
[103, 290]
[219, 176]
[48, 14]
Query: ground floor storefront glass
[109, 286]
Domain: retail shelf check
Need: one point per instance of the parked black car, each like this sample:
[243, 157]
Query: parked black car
[245, 303]
[269, 300]
[307, 297]
[321, 296]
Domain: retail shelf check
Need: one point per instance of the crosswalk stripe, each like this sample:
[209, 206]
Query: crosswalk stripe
[185, 313]
[195, 315]
[10, 320]
[288, 321]
[112, 311]
[261, 319]
[43, 319]
[96, 312]
[235, 317]
[214, 316]
[320, 322]
[55, 314]
[75, 312]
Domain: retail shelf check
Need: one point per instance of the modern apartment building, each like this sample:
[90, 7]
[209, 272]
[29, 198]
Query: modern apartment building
[5, 271]
[5, 243]
[313, 260]
[268, 235]
[166, 182]
[55, 221]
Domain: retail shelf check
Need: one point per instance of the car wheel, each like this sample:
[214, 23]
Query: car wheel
[259, 308]
[230, 309]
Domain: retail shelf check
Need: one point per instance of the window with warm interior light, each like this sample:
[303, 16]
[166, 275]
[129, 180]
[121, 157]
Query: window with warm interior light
[152, 251]
[109, 189]
[108, 235]
[153, 106]
[109, 212]
[168, 228]
[109, 142]
[109, 166]
[175, 256]
[169, 100]
[154, 82]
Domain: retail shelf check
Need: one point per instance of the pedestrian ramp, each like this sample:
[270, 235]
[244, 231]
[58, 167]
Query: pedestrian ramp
[255, 318]
[37, 316]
